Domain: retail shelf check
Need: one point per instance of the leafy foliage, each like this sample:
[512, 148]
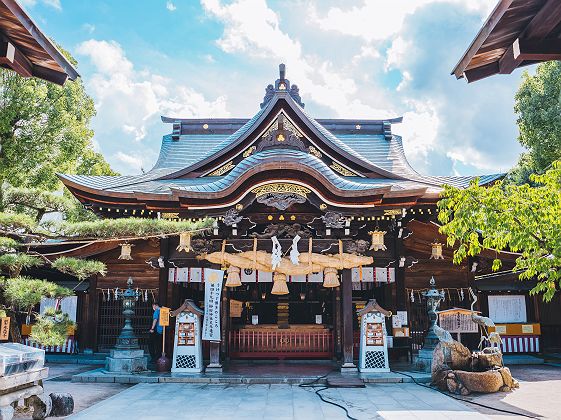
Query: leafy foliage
[13, 222]
[16, 262]
[82, 269]
[44, 129]
[51, 328]
[8, 243]
[130, 227]
[25, 292]
[521, 219]
[538, 105]
[37, 200]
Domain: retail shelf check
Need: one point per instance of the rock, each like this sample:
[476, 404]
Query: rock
[490, 381]
[489, 358]
[63, 404]
[41, 406]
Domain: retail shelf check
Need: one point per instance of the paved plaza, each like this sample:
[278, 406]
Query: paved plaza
[191, 401]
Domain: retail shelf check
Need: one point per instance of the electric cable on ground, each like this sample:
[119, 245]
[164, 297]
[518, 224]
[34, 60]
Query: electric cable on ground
[463, 400]
[314, 384]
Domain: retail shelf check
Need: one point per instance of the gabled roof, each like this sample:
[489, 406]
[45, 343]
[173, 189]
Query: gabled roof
[26, 50]
[516, 33]
[348, 160]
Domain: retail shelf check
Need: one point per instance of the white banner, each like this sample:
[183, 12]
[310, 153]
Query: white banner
[213, 292]
[68, 305]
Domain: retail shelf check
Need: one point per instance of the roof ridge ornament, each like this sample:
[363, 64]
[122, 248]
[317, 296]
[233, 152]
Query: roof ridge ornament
[282, 85]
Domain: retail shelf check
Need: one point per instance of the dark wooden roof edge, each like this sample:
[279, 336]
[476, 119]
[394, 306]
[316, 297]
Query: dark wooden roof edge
[494, 18]
[322, 121]
[29, 25]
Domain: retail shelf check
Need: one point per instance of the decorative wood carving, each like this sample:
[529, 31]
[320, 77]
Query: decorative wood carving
[223, 169]
[281, 201]
[232, 217]
[334, 220]
[201, 246]
[357, 247]
[281, 134]
[342, 170]
[283, 231]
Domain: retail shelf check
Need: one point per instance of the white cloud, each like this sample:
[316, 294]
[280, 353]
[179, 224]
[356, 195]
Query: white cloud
[419, 130]
[131, 101]
[133, 161]
[170, 6]
[374, 22]
[251, 27]
[31, 3]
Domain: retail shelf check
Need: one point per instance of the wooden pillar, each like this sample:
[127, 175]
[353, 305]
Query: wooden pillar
[337, 320]
[399, 251]
[347, 313]
[91, 316]
[163, 275]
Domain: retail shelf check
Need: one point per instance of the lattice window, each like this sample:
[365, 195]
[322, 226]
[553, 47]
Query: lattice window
[184, 361]
[111, 321]
[375, 360]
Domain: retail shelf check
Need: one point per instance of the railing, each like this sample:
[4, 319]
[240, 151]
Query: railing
[281, 344]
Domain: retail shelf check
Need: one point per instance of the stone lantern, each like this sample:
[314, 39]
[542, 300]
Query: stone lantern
[127, 356]
[423, 361]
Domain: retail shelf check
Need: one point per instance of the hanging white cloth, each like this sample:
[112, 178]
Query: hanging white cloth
[294, 254]
[276, 253]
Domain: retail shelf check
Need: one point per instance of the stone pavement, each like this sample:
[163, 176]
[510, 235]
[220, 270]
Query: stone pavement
[221, 401]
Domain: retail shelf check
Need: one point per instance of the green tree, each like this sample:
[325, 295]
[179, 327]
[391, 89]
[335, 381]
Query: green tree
[517, 218]
[538, 106]
[45, 129]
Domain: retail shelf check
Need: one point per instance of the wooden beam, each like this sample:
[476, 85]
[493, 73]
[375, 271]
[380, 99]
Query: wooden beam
[481, 37]
[482, 72]
[12, 57]
[541, 25]
[525, 49]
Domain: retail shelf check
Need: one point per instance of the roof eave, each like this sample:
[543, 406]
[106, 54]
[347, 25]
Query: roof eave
[44, 42]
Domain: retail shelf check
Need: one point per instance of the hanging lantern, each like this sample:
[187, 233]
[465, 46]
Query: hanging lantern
[126, 250]
[184, 242]
[233, 279]
[330, 278]
[279, 286]
[377, 240]
[436, 252]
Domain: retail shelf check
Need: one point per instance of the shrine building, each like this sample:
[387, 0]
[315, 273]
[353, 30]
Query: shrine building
[281, 182]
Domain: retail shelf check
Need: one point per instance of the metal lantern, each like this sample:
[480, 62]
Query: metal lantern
[436, 252]
[127, 340]
[126, 250]
[184, 242]
[377, 240]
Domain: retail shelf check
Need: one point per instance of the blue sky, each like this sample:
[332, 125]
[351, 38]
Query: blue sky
[351, 59]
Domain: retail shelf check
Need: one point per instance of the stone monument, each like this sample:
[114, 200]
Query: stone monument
[127, 356]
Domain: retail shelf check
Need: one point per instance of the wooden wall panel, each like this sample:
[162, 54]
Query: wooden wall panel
[118, 271]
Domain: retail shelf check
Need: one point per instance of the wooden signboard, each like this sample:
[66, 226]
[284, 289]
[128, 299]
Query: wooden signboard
[164, 317]
[457, 320]
[236, 307]
[4, 328]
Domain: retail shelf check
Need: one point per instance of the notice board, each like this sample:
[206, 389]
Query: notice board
[507, 308]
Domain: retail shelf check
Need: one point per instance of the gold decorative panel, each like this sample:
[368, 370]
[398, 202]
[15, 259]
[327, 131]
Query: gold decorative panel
[281, 188]
[342, 170]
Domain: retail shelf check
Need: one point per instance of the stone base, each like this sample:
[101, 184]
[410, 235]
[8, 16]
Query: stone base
[348, 368]
[423, 361]
[126, 361]
[214, 368]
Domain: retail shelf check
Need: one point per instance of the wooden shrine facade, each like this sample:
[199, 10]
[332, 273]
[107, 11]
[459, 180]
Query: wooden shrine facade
[328, 187]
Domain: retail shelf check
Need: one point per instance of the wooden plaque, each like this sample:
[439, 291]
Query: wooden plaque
[164, 317]
[4, 328]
